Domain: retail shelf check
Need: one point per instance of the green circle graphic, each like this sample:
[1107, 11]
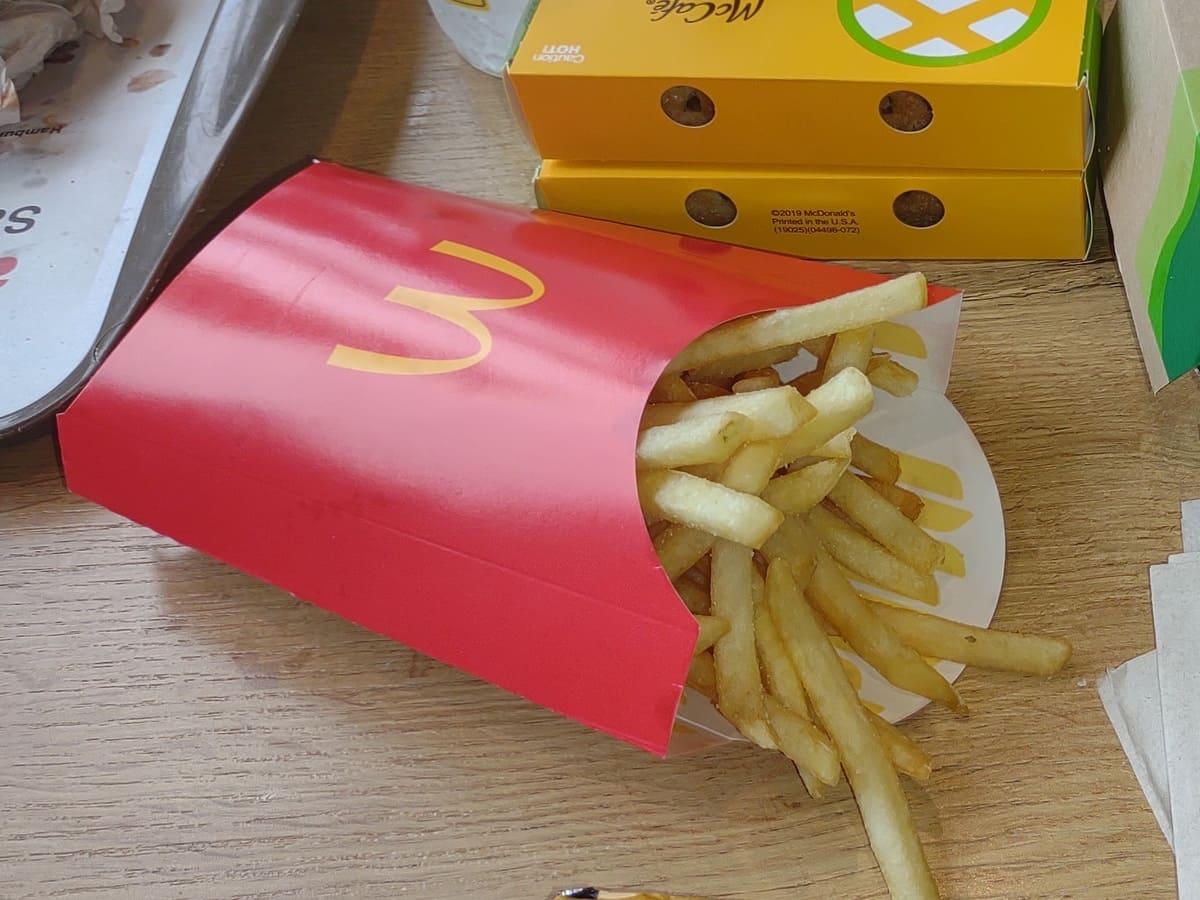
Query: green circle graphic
[879, 48]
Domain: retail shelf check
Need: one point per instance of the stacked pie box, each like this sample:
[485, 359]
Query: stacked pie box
[842, 129]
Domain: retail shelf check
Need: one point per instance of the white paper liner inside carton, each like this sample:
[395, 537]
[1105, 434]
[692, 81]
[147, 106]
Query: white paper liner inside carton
[925, 425]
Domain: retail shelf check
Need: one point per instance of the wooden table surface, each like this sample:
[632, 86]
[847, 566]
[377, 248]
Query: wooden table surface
[171, 728]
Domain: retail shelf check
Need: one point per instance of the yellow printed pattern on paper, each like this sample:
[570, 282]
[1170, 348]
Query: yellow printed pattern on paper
[942, 32]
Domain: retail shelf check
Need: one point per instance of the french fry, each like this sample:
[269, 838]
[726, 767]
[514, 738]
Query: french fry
[853, 673]
[771, 670]
[707, 471]
[870, 637]
[799, 491]
[757, 585]
[694, 596]
[702, 676]
[850, 350]
[671, 389]
[798, 324]
[803, 743]
[779, 675]
[1003, 651]
[748, 492]
[739, 683]
[910, 504]
[819, 347]
[905, 753]
[888, 375]
[710, 507]
[870, 772]
[793, 543]
[748, 471]
[725, 369]
[704, 391]
[692, 442]
[869, 561]
[839, 403]
[875, 459]
[837, 447]
[775, 413]
[882, 521]
[807, 382]
[953, 562]
[757, 380]
[712, 628]
[680, 547]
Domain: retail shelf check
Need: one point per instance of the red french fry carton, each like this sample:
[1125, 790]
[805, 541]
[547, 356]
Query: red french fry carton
[419, 411]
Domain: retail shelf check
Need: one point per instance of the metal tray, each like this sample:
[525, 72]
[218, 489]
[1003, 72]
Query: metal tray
[242, 44]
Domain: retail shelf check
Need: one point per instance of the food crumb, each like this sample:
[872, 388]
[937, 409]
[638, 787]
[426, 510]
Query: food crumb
[149, 80]
[63, 53]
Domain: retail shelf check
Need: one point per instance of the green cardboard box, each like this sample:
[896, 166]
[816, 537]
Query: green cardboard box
[1150, 152]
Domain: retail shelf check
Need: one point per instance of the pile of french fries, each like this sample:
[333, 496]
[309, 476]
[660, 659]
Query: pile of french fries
[766, 508]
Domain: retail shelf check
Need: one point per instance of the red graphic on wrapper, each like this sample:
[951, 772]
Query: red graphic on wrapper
[8, 265]
[487, 516]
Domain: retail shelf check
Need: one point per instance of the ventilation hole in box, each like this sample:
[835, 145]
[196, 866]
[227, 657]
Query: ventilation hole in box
[688, 106]
[919, 209]
[906, 111]
[710, 208]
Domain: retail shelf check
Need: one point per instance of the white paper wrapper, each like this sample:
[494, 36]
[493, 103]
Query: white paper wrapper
[95, 16]
[1191, 526]
[1132, 696]
[1176, 593]
[482, 30]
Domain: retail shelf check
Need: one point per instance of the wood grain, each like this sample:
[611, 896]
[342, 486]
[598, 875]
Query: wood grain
[170, 728]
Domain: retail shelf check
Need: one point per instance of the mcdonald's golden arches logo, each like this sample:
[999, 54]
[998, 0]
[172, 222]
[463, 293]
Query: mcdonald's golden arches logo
[451, 308]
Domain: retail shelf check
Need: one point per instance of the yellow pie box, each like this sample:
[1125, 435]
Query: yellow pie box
[839, 213]
[942, 84]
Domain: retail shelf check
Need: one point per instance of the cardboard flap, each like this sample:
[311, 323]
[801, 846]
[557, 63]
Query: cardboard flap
[420, 411]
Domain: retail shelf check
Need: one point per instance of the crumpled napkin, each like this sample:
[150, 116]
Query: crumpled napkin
[31, 29]
[96, 16]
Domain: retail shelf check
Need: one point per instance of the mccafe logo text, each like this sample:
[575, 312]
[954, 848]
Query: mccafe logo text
[692, 11]
[456, 310]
